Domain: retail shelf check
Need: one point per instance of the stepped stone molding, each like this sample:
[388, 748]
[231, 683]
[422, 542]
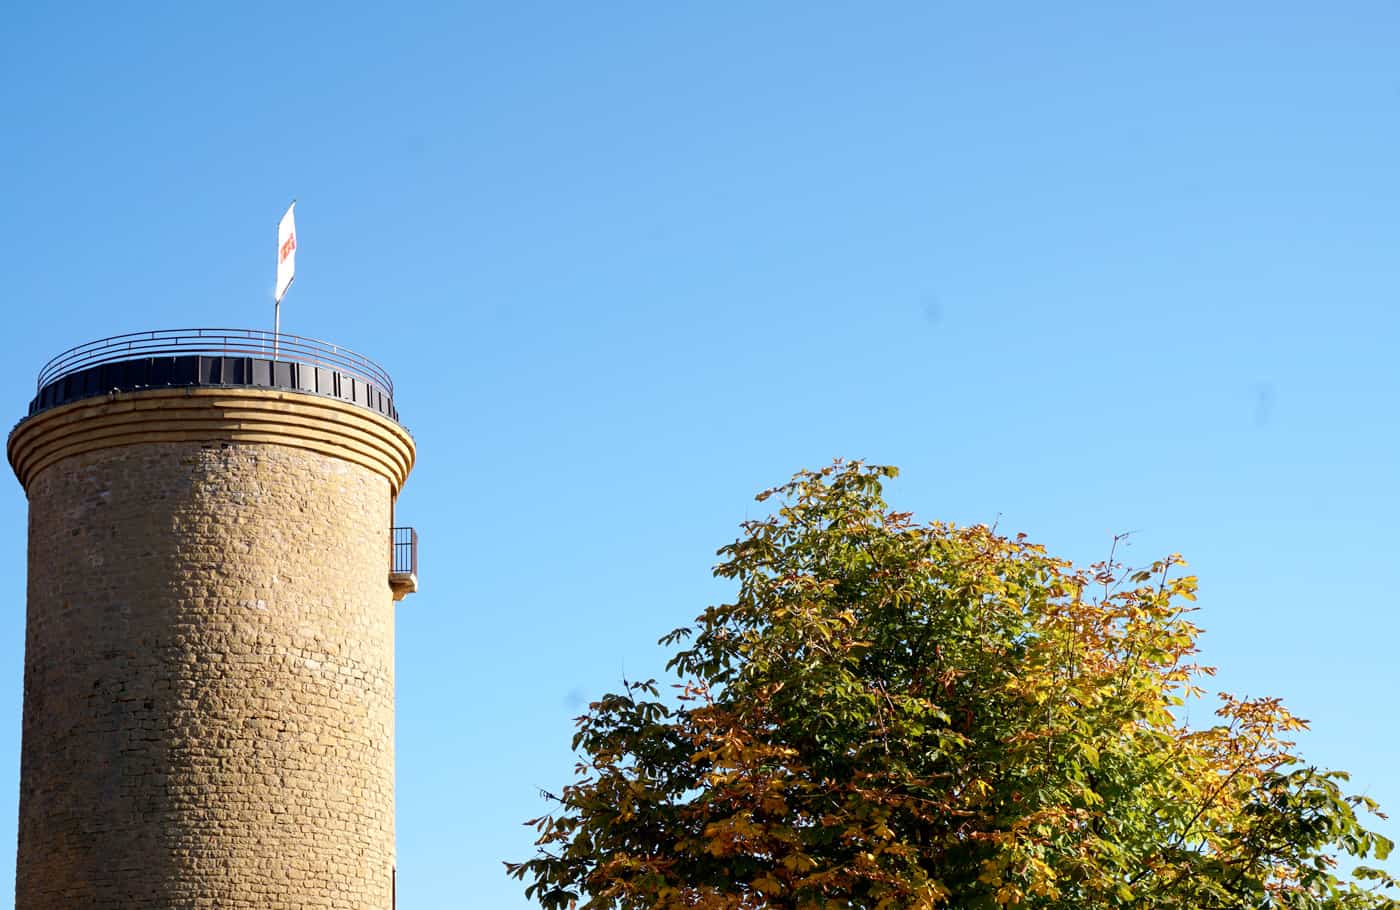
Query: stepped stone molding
[309, 422]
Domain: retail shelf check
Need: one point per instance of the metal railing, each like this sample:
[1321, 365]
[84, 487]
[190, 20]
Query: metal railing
[215, 342]
[403, 558]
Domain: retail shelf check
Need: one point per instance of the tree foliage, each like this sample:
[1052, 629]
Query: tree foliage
[902, 715]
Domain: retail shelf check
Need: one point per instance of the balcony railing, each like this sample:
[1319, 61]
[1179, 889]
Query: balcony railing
[404, 559]
[221, 342]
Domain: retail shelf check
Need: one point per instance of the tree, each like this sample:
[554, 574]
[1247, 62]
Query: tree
[901, 715]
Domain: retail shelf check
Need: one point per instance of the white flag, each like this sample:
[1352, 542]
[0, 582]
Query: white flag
[286, 252]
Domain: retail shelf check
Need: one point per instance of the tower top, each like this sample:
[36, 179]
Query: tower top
[214, 358]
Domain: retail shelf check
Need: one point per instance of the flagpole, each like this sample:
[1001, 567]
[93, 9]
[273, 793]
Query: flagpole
[276, 324]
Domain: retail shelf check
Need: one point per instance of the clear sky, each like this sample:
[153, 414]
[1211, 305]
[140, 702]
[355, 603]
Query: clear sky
[1085, 267]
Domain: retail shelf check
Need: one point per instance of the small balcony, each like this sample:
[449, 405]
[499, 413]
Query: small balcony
[403, 562]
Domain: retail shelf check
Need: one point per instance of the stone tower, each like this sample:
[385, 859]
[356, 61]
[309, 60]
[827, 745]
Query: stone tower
[209, 650]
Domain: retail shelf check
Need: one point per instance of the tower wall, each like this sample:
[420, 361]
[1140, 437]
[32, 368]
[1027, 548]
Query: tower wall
[208, 683]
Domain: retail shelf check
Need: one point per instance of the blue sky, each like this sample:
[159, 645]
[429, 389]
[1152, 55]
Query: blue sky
[1084, 267]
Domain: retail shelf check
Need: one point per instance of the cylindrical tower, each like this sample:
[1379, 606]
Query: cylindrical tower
[209, 651]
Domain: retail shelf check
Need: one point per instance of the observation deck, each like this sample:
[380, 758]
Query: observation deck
[214, 358]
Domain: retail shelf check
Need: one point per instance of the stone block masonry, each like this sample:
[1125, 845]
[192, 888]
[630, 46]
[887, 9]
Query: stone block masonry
[209, 657]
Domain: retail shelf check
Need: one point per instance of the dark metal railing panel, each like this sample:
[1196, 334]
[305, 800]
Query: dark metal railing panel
[403, 559]
[145, 373]
[215, 342]
[173, 358]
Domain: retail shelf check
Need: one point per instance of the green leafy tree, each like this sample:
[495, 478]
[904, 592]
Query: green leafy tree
[902, 715]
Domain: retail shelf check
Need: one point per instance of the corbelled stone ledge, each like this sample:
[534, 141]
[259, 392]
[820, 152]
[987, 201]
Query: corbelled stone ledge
[194, 414]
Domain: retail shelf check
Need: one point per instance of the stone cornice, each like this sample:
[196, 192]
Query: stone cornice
[312, 422]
